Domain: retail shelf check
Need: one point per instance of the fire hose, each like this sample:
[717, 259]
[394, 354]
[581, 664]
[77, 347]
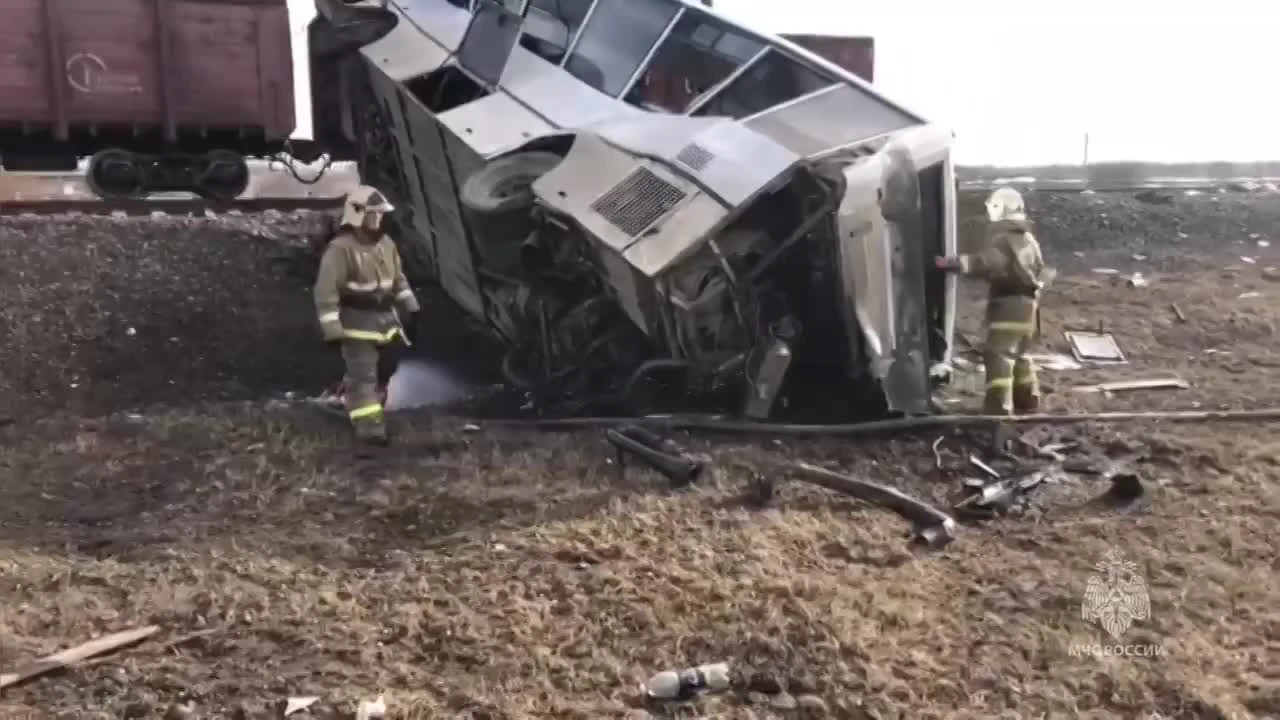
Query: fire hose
[720, 423]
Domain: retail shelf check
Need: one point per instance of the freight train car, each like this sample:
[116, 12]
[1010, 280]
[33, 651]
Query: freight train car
[162, 95]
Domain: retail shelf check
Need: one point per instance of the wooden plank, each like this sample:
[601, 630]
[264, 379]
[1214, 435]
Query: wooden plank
[70, 656]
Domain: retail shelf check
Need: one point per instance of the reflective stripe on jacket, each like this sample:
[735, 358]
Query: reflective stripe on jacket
[1014, 269]
[359, 285]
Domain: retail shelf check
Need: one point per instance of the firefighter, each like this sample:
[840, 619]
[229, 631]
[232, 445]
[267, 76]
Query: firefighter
[1015, 271]
[359, 288]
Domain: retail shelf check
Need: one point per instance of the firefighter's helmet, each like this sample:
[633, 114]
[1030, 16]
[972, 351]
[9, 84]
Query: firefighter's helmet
[360, 203]
[1006, 204]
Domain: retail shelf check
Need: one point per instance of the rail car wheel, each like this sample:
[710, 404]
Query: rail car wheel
[115, 174]
[225, 176]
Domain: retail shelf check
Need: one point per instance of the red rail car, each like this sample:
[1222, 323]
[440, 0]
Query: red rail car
[165, 94]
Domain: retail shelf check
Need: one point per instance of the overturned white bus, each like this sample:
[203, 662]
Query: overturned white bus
[641, 194]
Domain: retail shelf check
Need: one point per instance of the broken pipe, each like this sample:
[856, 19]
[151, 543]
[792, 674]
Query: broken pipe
[929, 525]
[658, 453]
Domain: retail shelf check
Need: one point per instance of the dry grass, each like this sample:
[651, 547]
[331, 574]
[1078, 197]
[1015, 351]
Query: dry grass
[516, 575]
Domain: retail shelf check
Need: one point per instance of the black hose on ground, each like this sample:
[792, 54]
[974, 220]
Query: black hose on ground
[716, 423]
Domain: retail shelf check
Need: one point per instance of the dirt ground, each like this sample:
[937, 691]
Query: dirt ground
[504, 574]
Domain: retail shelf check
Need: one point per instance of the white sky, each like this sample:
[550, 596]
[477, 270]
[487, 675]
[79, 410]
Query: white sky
[1161, 81]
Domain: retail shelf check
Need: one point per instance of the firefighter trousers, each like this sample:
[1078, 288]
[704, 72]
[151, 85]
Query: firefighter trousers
[364, 407]
[1012, 382]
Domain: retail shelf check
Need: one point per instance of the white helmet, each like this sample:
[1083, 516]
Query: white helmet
[360, 203]
[1006, 204]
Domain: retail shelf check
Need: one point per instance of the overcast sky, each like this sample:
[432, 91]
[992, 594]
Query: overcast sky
[1154, 81]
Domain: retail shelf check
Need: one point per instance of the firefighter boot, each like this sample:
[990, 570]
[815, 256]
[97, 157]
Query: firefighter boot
[371, 430]
[1026, 387]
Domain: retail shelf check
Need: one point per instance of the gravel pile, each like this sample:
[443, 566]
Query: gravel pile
[109, 313]
[1168, 229]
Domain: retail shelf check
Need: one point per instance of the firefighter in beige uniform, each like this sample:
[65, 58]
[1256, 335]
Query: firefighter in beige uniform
[1014, 269]
[359, 287]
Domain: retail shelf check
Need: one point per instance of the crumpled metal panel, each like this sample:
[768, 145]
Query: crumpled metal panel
[862, 254]
[742, 163]
[677, 236]
[906, 387]
[881, 260]
[591, 168]
[833, 118]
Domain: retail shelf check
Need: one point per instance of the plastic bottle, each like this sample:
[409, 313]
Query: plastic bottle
[672, 685]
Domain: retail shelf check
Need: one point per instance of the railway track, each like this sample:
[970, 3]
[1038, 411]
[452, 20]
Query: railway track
[165, 206]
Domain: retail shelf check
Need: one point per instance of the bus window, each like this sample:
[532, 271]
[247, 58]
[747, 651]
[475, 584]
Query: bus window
[616, 39]
[549, 26]
[700, 52]
[770, 81]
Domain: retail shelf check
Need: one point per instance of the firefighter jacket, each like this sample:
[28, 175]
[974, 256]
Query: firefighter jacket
[1013, 267]
[358, 289]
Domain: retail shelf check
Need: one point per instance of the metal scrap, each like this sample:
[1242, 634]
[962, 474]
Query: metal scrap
[1095, 347]
[976, 461]
[661, 454]
[999, 497]
[1122, 385]
[930, 526]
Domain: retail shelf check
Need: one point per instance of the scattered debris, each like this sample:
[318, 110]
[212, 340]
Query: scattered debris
[1053, 452]
[937, 455]
[1248, 260]
[930, 526]
[1094, 347]
[1248, 295]
[1177, 312]
[975, 461]
[1054, 361]
[1106, 271]
[298, 704]
[372, 709]
[1123, 385]
[1000, 497]
[71, 656]
[1125, 487]
[684, 684]
[1136, 280]
[659, 453]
